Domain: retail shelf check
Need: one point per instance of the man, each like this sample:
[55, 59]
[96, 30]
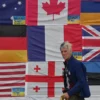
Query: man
[75, 78]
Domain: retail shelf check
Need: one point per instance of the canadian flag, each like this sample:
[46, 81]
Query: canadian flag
[50, 12]
[44, 79]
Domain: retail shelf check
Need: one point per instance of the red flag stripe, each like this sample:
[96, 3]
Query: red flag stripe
[5, 95]
[90, 31]
[12, 67]
[74, 7]
[29, 78]
[12, 73]
[31, 12]
[91, 42]
[14, 78]
[5, 90]
[13, 43]
[51, 70]
[90, 57]
[13, 84]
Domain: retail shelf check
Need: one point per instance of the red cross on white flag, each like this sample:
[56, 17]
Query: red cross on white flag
[47, 81]
[36, 89]
[37, 68]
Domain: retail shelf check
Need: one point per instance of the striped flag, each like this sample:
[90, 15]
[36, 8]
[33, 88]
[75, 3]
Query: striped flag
[12, 79]
[90, 12]
[93, 72]
[44, 41]
[13, 46]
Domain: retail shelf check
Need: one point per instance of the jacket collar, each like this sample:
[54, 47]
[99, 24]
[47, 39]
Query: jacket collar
[66, 62]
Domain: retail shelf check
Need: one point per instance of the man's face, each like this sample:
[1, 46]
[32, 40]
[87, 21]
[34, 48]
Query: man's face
[64, 53]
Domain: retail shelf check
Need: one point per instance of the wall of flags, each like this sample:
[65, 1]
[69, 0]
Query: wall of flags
[31, 32]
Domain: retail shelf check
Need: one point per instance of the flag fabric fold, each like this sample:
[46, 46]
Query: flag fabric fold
[12, 79]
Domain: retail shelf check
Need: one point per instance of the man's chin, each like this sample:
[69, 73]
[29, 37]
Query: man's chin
[64, 58]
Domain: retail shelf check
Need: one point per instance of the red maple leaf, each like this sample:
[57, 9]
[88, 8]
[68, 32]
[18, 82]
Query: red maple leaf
[53, 7]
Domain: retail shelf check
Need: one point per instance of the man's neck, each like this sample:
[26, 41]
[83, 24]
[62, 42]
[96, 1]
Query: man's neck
[68, 58]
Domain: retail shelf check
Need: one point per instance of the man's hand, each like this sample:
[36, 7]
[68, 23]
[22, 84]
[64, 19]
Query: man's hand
[66, 95]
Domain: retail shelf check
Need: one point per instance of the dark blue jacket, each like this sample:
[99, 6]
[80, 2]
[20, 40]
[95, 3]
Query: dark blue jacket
[78, 77]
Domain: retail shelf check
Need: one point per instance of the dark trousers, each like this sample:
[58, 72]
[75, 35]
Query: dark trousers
[76, 97]
[80, 98]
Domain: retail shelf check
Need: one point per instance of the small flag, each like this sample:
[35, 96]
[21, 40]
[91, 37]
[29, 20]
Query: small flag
[18, 92]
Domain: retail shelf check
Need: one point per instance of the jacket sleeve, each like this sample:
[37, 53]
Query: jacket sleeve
[81, 79]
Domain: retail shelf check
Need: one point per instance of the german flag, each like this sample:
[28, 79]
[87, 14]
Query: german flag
[13, 43]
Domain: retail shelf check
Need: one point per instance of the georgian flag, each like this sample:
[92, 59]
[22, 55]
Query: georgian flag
[45, 81]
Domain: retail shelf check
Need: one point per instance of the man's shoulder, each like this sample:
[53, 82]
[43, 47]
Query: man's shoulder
[79, 65]
[77, 61]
